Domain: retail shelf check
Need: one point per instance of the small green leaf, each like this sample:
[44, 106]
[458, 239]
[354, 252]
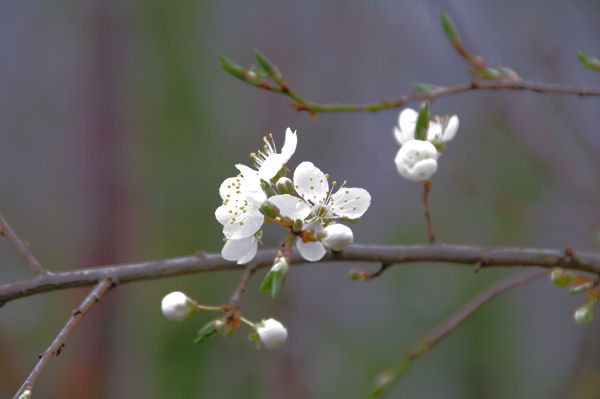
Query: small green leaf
[267, 282]
[232, 68]
[276, 284]
[269, 68]
[560, 277]
[449, 29]
[489, 73]
[587, 61]
[424, 87]
[205, 332]
[422, 122]
[578, 289]
[255, 338]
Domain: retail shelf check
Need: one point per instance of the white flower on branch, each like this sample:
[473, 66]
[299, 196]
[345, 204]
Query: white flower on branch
[268, 161]
[337, 236]
[176, 306]
[271, 333]
[441, 129]
[318, 206]
[417, 160]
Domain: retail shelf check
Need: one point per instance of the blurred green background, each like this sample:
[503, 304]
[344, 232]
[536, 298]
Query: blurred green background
[117, 126]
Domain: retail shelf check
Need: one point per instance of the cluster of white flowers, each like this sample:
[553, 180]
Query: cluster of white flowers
[417, 159]
[251, 195]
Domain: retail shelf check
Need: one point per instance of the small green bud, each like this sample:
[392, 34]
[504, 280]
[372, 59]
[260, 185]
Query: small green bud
[579, 288]
[268, 209]
[357, 274]
[422, 122]
[587, 61]
[297, 226]
[449, 29]
[489, 73]
[584, 315]
[269, 68]
[509, 74]
[561, 277]
[232, 68]
[424, 88]
[285, 186]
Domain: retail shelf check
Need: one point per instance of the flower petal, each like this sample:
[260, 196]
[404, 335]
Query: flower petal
[451, 129]
[434, 133]
[240, 250]
[289, 145]
[242, 224]
[312, 251]
[290, 206]
[350, 202]
[417, 160]
[270, 167]
[230, 188]
[310, 183]
[407, 120]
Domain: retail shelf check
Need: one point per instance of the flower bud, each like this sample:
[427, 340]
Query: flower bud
[417, 160]
[285, 186]
[337, 236]
[561, 277]
[578, 289]
[280, 266]
[268, 209]
[297, 226]
[584, 315]
[176, 306]
[271, 333]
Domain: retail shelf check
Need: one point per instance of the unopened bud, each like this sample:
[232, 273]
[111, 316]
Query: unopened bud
[509, 74]
[489, 73]
[268, 209]
[579, 288]
[297, 226]
[337, 236]
[271, 333]
[285, 186]
[357, 274]
[584, 315]
[280, 266]
[177, 306]
[560, 277]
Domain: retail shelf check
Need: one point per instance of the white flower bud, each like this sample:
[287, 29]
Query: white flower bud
[337, 236]
[285, 186]
[177, 306]
[271, 333]
[584, 314]
[417, 160]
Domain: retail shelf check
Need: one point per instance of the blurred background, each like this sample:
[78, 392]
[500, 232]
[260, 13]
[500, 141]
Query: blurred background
[117, 126]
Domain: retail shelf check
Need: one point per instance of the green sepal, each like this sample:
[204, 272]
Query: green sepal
[205, 332]
[255, 338]
[279, 174]
[560, 277]
[578, 289]
[449, 29]
[269, 68]
[422, 122]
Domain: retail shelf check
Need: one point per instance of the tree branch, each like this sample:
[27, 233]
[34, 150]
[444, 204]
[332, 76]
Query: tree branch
[58, 344]
[22, 246]
[386, 379]
[392, 254]
[425, 198]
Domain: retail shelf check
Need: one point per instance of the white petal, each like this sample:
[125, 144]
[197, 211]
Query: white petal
[434, 133]
[312, 251]
[243, 225]
[249, 174]
[242, 250]
[337, 236]
[289, 145]
[401, 136]
[231, 187]
[290, 206]
[270, 167]
[451, 129]
[350, 202]
[310, 183]
[408, 123]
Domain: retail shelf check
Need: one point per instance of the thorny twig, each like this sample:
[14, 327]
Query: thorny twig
[22, 246]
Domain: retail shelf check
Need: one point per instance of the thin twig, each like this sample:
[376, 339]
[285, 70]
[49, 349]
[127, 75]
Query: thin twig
[386, 379]
[58, 344]
[22, 246]
[425, 198]
[234, 302]
[392, 254]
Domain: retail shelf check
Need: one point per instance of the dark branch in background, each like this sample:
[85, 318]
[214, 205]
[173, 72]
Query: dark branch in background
[22, 246]
[268, 77]
[382, 254]
[386, 379]
[425, 198]
[58, 344]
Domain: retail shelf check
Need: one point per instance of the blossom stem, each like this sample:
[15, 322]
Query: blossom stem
[209, 308]
[425, 198]
[248, 322]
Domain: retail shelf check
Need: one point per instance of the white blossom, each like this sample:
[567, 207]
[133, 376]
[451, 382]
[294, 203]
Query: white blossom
[177, 306]
[269, 161]
[417, 160]
[337, 236]
[441, 129]
[271, 333]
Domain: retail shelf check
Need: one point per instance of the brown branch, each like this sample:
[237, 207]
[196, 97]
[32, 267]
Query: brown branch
[58, 344]
[234, 302]
[22, 246]
[425, 198]
[393, 254]
[386, 379]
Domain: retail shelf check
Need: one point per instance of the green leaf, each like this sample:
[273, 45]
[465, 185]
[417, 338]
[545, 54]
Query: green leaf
[232, 68]
[276, 284]
[422, 122]
[424, 87]
[267, 66]
[255, 338]
[578, 289]
[205, 332]
[267, 282]
[449, 29]
[587, 61]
